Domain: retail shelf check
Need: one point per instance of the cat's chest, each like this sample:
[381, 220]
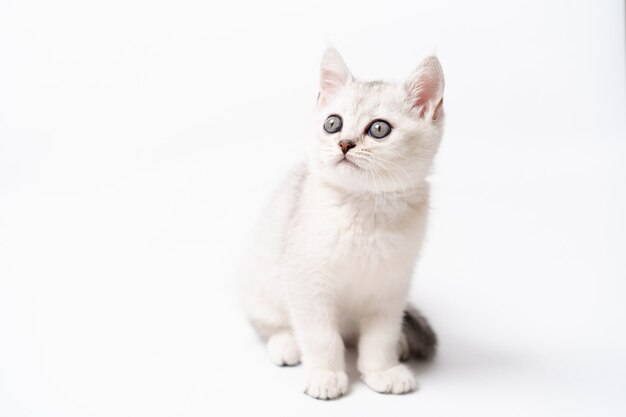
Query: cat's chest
[359, 236]
[368, 258]
[365, 235]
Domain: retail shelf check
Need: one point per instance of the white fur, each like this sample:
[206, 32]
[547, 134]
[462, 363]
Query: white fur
[334, 253]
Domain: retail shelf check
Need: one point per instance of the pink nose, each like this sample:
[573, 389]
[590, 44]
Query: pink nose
[346, 145]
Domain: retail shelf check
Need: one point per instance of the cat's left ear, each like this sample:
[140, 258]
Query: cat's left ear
[334, 74]
[425, 88]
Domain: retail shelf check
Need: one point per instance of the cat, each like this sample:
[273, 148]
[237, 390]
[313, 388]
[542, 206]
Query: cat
[333, 256]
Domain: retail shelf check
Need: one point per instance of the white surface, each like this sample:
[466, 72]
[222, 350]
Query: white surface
[133, 143]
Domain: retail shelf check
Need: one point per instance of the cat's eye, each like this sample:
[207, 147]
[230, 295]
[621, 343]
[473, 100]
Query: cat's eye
[333, 124]
[379, 129]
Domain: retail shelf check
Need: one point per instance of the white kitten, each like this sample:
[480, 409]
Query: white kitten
[333, 259]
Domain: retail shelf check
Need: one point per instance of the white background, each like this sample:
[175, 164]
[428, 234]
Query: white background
[138, 141]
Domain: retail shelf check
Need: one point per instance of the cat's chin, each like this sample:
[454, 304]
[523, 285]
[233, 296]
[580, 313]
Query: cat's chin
[354, 178]
[350, 175]
[346, 175]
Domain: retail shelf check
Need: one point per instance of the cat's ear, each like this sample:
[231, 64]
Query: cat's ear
[334, 74]
[425, 88]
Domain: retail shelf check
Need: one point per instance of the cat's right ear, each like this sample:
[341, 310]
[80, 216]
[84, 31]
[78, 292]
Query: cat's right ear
[334, 74]
[425, 88]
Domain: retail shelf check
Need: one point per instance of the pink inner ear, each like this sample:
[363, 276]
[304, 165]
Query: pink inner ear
[428, 90]
[333, 73]
[331, 81]
[425, 88]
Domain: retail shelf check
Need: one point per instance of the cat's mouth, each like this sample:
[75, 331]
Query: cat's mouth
[347, 161]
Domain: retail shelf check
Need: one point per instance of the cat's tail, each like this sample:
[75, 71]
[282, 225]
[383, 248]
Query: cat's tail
[420, 337]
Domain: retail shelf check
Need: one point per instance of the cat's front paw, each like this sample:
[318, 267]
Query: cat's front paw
[395, 380]
[326, 385]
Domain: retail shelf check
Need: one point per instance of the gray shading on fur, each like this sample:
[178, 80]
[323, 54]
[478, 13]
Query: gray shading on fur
[419, 334]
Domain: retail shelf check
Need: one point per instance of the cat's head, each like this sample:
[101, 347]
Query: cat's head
[376, 136]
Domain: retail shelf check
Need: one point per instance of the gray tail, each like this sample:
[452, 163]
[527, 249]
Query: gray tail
[420, 336]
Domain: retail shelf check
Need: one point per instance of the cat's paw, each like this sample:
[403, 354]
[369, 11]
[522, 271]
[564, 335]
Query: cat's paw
[283, 349]
[326, 385]
[395, 380]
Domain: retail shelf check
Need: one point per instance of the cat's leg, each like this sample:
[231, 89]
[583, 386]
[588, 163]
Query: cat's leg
[404, 349]
[283, 349]
[321, 344]
[263, 301]
[272, 323]
[378, 354]
[323, 353]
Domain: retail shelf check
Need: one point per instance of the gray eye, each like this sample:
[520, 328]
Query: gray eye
[379, 129]
[333, 124]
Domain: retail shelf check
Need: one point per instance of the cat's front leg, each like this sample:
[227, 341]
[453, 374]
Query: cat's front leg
[322, 347]
[378, 355]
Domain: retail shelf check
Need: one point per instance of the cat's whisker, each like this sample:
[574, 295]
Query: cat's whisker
[375, 199]
[413, 158]
[393, 178]
[382, 162]
[395, 164]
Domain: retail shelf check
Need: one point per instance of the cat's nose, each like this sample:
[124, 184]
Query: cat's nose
[346, 145]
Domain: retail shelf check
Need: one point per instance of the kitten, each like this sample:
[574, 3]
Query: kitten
[334, 254]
